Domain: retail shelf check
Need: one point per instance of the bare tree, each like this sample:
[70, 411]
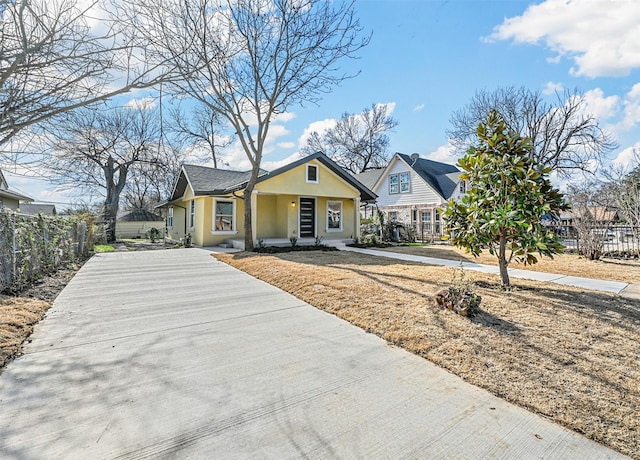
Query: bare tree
[202, 129]
[624, 187]
[593, 215]
[358, 141]
[564, 137]
[250, 60]
[51, 62]
[150, 182]
[94, 150]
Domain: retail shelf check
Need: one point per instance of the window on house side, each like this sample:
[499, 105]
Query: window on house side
[170, 218]
[312, 173]
[393, 184]
[463, 187]
[404, 183]
[393, 216]
[223, 216]
[192, 214]
[334, 216]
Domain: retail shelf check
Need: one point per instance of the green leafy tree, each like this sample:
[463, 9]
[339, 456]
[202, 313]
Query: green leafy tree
[508, 199]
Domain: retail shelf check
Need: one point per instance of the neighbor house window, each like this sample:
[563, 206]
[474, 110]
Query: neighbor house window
[404, 182]
[393, 216]
[170, 218]
[393, 184]
[224, 216]
[463, 187]
[399, 183]
[334, 216]
[426, 221]
[437, 225]
[312, 173]
[192, 214]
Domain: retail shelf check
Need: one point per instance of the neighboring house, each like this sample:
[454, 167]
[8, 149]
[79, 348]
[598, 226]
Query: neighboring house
[137, 223]
[307, 199]
[33, 209]
[413, 190]
[10, 199]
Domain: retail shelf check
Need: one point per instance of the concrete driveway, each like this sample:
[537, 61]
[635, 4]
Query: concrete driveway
[172, 354]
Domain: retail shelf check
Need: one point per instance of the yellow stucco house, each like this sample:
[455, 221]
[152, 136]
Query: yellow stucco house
[9, 199]
[309, 198]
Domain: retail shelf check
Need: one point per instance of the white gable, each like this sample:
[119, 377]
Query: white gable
[420, 193]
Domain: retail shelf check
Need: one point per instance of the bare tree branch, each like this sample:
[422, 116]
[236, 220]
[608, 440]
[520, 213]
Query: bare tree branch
[563, 136]
[249, 60]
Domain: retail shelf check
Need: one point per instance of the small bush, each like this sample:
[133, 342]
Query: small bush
[460, 297]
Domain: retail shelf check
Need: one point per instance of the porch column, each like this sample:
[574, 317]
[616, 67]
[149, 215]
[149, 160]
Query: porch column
[356, 231]
[254, 216]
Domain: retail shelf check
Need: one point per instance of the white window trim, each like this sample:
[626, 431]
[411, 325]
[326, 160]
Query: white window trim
[317, 174]
[192, 215]
[170, 217]
[234, 218]
[397, 183]
[335, 230]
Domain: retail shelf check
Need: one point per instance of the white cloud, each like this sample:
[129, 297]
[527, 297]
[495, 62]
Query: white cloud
[318, 126]
[286, 145]
[553, 88]
[601, 37]
[627, 159]
[445, 154]
[145, 103]
[599, 106]
[418, 108]
[631, 111]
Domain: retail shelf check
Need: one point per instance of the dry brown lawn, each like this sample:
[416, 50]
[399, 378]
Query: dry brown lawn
[18, 315]
[568, 354]
[627, 271]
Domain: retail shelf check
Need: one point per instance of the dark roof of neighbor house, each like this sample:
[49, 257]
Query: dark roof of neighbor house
[442, 177]
[33, 209]
[140, 215]
[369, 177]
[212, 181]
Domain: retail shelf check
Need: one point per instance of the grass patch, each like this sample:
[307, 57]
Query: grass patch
[98, 248]
[18, 316]
[566, 353]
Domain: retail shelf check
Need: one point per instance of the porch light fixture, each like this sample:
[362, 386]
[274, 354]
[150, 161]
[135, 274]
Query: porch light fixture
[293, 204]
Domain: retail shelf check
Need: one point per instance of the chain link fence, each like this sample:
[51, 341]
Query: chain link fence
[33, 246]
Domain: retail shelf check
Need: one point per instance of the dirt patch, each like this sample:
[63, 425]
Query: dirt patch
[565, 353]
[627, 271]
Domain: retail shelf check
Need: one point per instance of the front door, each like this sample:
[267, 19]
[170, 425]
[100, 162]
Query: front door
[307, 218]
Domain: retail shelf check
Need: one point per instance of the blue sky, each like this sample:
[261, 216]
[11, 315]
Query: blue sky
[427, 58]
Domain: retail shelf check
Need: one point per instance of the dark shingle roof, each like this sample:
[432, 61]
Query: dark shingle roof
[211, 181]
[33, 209]
[442, 177]
[369, 177]
[140, 215]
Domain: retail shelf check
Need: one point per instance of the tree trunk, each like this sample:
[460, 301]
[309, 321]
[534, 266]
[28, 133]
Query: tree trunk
[112, 200]
[502, 260]
[248, 192]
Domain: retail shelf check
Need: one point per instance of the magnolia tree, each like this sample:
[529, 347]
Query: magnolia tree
[508, 199]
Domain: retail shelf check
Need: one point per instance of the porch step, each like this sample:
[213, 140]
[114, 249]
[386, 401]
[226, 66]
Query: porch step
[225, 245]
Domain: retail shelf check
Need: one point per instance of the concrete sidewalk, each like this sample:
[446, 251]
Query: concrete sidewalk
[615, 287]
[172, 354]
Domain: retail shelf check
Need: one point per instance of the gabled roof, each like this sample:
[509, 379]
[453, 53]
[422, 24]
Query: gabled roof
[365, 193]
[14, 195]
[33, 209]
[370, 177]
[212, 181]
[5, 192]
[140, 215]
[442, 177]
